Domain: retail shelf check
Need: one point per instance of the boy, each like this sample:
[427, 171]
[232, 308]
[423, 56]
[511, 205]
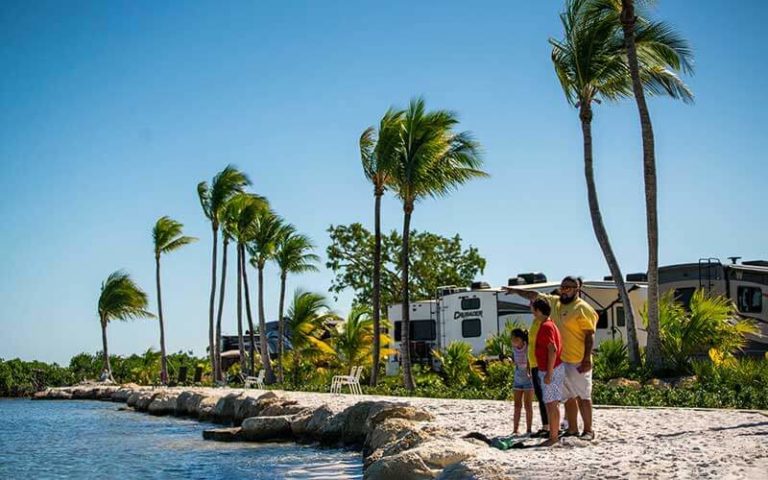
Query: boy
[550, 369]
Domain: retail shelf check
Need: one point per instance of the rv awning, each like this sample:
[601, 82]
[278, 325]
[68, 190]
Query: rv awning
[231, 354]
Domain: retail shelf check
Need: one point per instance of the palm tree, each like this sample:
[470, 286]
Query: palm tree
[293, 255]
[212, 199]
[432, 160]
[679, 57]
[591, 66]
[120, 299]
[378, 151]
[308, 316]
[167, 237]
[353, 339]
[239, 216]
[268, 230]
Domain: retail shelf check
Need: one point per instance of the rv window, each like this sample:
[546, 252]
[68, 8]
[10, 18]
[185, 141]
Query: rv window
[749, 299]
[602, 319]
[621, 321]
[470, 328]
[470, 304]
[683, 296]
[423, 330]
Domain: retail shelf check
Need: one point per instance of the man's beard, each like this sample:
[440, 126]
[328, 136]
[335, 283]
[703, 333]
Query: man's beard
[567, 300]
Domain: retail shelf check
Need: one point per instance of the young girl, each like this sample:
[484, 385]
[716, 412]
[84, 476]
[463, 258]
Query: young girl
[523, 386]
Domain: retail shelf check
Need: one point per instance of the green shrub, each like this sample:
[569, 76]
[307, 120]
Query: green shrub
[611, 360]
[500, 374]
[457, 364]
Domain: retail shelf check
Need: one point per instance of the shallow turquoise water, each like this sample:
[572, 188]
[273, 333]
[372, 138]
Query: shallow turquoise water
[89, 439]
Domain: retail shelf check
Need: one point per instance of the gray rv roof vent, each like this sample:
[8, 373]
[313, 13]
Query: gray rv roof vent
[637, 277]
[515, 281]
[479, 285]
[533, 277]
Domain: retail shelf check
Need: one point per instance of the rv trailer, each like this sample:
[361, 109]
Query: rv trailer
[745, 283]
[474, 314]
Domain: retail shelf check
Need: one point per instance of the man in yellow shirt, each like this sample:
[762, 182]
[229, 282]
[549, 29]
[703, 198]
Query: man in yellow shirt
[577, 321]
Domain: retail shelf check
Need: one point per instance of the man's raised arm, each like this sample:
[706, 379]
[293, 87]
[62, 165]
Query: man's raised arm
[528, 294]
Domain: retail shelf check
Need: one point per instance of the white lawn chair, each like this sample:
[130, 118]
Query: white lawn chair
[352, 380]
[258, 380]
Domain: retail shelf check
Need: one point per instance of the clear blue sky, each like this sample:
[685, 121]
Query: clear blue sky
[112, 112]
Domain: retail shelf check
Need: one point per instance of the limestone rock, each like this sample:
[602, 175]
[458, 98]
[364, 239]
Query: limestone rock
[145, 398]
[224, 412]
[267, 428]
[320, 417]
[385, 433]
[232, 434]
[121, 394]
[403, 466]
[300, 421]
[205, 407]
[624, 382]
[657, 383]
[443, 452]
[473, 471]
[390, 410]
[163, 404]
[250, 406]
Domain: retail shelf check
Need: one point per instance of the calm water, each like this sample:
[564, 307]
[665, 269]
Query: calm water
[88, 439]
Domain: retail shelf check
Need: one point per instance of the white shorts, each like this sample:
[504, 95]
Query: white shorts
[552, 391]
[577, 384]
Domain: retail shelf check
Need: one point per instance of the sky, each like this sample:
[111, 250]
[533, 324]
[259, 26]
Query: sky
[112, 112]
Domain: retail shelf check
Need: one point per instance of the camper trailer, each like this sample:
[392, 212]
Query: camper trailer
[745, 283]
[474, 314]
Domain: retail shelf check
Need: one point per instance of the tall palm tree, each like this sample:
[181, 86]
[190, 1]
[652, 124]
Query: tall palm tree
[268, 230]
[120, 299]
[212, 199]
[378, 152]
[432, 160]
[679, 57]
[293, 255]
[308, 316]
[353, 339]
[240, 213]
[591, 65]
[167, 237]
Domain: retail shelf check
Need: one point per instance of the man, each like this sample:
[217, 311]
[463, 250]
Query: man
[551, 372]
[577, 321]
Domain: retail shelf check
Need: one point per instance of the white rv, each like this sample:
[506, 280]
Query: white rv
[746, 284]
[474, 314]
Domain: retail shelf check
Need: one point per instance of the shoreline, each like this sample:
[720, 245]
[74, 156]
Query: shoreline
[420, 438]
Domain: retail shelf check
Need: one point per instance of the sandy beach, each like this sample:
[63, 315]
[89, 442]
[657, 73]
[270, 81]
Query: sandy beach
[630, 443]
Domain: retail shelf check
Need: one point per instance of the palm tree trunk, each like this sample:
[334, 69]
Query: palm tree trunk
[163, 359]
[240, 346]
[376, 288]
[244, 266]
[105, 348]
[653, 353]
[219, 372]
[585, 115]
[281, 328]
[406, 330]
[269, 376]
[211, 338]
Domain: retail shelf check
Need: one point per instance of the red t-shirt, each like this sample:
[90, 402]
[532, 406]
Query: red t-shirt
[548, 333]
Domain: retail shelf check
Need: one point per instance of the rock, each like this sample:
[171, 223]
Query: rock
[267, 428]
[281, 408]
[232, 434]
[83, 393]
[403, 466]
[133, 398]
[131, 386]
[443, 452]
[475, 471]
[385, 410]
[657, 383]
[320, 417]
[190, 403]
[355, 426]
[163, 404]
[205, 408]
[385, 433]
[332, 430]
[145, 398]
[685, 382]
[410, 438]
[224, 412]
[121, 394]
[624, 382]
[252, 406]
[44, 394]
[299, 423]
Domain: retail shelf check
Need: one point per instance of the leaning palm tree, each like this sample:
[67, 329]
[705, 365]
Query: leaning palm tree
[239, 215]
[354, 338]
[678, 55]
[293, 255]
[432, 160]
[308, 318]
[268, 230]
[591, 66]
[120, 299]
[167, 237]
[212, 199]
[378, 151]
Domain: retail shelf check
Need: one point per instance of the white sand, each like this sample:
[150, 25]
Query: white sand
[630, 443]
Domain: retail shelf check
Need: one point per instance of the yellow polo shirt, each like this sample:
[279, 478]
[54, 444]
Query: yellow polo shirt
[532, 332]
[573, 320]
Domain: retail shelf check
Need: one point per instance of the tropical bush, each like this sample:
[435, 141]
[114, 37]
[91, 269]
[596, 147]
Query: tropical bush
[500, 345]
[611, 360]
[457, 364]
[500, 374]
[19, 378]
[710, 326]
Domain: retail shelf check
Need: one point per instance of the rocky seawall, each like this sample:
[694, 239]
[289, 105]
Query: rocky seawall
[397, 440]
